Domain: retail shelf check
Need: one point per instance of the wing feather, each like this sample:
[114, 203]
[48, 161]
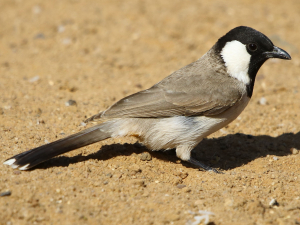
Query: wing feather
[193, 90]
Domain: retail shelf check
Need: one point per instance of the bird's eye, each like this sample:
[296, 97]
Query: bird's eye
[252, 47]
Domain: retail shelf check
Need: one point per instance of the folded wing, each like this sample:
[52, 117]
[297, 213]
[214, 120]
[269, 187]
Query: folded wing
[183, 93]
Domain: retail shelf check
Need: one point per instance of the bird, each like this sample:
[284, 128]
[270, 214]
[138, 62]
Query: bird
[180, 110]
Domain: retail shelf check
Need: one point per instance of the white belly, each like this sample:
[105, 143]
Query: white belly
[167, 133]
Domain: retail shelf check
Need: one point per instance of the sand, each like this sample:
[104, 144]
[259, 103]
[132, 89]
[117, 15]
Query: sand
[96, 52]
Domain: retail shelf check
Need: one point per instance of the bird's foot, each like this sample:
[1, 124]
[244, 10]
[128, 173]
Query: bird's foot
[203, 166]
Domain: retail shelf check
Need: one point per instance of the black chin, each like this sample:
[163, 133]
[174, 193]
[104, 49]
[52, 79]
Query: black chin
[257, 61]
[253, 69]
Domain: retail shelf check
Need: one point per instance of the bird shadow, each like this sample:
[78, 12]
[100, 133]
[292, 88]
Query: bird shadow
[225, 152]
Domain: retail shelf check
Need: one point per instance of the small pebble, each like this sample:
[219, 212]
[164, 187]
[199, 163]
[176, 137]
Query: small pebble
[262, 101]
[36, 9]
[60, 29]
[180, 186]
[275, 158]
[273, 202]
[139, 86]
[70, 102]
[180, 174]
[145, 156]
[187, 190]
[109, 175]
[117, 175]
[83, 124]
[34, 79]
[38, 112]
[67, 41]
[137, 183]
[134, 169]
[5, 193]
[7, 107]
[39, 36]
[39, 121]
[294, 151]
[88, 170]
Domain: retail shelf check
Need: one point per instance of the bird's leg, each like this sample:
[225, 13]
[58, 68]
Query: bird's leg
[184, 152]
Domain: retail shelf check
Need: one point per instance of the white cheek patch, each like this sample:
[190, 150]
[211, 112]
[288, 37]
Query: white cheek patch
[237, 60]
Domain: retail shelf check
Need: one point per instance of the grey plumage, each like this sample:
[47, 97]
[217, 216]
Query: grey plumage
[193, 90]
[182, 109]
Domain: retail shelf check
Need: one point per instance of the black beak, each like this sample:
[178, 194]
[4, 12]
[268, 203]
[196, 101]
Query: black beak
[278, 53]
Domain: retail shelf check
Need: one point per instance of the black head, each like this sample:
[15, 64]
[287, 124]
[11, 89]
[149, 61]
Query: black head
[259, 47]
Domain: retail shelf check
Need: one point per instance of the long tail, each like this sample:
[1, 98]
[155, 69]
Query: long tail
[33, 157]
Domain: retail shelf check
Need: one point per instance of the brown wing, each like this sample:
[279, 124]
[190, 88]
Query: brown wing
[190, 91]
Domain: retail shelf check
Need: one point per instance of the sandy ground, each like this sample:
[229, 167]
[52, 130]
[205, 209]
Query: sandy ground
[96, 52]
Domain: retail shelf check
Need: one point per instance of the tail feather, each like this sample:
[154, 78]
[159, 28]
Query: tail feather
[33, 157]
